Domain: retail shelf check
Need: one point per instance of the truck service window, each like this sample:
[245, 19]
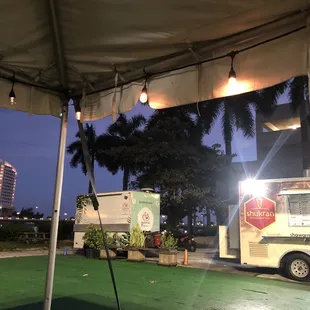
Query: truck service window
[299, 209]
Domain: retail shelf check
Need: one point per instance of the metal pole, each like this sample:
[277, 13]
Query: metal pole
[56, 209]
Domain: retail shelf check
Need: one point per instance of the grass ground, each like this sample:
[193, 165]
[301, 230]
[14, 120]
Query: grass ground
[141, 286]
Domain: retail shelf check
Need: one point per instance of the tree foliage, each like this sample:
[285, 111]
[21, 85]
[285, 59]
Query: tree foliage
[28, 213]
[171, 158]
[75, 149]
[117, 144]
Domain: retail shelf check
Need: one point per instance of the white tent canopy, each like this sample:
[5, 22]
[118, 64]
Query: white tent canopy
[92, 46]
[102, 51]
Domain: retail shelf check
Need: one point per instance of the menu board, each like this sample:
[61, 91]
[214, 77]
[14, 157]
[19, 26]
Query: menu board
[299, 210]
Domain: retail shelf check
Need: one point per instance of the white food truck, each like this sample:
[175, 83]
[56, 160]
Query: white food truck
[271, 226]
[119, 212]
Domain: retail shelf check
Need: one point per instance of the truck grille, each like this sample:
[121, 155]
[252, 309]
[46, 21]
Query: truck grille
[258, 250]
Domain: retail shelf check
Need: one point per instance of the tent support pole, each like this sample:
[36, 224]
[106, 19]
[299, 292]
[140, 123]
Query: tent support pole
[56, 209]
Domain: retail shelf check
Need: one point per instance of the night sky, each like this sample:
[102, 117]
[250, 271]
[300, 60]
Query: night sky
[30, 144]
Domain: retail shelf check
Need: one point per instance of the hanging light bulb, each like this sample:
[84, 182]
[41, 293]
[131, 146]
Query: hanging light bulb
[78, 113]
[144, 96]
[12, 95]
[232, 77]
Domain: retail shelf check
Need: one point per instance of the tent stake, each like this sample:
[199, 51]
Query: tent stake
[56, 209]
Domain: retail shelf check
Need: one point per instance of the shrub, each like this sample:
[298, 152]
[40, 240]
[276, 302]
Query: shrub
[10, 232]
[124, 240]
[93, 238]
[168, 242]
[65, 230]
[137, 238]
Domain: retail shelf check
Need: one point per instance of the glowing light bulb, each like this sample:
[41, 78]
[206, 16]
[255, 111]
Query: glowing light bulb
[12, 97]
[143, 96]
[78, 115]
[232, 77]
[232, 81]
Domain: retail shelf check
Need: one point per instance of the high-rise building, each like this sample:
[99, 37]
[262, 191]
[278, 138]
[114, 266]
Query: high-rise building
[8, 176]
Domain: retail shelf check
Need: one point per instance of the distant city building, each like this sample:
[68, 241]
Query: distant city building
[8, 176]
[279, 148]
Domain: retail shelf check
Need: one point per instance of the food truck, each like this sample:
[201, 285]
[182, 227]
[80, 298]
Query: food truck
[119, 213]
[271, 226]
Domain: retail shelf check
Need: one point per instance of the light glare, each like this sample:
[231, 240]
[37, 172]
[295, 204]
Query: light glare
[253, 187]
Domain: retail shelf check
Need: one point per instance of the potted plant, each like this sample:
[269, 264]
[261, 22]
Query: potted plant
[124, 241]
[92, 242]
[168, 254]
[111, 243]
[136, 245]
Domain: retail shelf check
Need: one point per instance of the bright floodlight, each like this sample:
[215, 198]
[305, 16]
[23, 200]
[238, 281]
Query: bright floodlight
[253, 187]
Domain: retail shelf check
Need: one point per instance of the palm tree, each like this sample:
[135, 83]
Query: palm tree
[297, 92]
[115, 146]
[181, 122]
[75, 149]
[235, 114]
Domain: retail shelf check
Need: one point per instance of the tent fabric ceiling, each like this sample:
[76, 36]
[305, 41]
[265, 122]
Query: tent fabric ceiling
[76, 45]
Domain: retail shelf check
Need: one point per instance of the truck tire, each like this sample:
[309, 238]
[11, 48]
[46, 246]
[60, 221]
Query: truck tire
[297, 267]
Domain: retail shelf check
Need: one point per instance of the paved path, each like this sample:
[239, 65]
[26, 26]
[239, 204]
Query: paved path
[207, 259]
[28, 252]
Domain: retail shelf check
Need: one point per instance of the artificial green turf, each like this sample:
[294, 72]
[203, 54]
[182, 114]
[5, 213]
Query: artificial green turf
[141, 286]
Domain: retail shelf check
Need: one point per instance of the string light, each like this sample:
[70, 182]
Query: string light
[78, 112]
[232, 76]
[12, 95]
[144, 96]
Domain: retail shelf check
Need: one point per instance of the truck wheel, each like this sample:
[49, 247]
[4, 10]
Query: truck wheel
[298, 267]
